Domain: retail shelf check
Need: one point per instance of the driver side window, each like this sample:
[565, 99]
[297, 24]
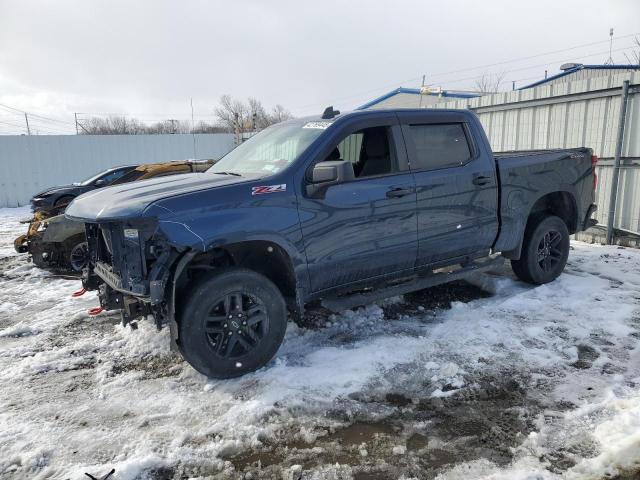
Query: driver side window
[369, 150]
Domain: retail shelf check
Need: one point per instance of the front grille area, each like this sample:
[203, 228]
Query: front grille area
[119, 262]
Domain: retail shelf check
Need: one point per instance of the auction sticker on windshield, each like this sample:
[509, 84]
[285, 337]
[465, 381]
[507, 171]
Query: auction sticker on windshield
[268, 189]
[319, 125]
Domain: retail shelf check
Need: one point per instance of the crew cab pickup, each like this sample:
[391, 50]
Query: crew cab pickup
[341, 209]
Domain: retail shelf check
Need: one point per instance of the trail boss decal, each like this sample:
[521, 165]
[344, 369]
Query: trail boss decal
[269, 189]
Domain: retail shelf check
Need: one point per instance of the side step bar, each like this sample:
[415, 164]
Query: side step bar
[345, 302]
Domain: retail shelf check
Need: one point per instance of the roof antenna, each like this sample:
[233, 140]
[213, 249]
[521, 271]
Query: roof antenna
[329, 112]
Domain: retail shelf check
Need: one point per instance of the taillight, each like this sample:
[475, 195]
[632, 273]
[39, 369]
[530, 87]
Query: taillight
[594, 163]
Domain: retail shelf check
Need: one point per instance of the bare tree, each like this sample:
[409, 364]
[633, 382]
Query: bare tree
[489, 83]
[233, 114]
[279, 114]
[113, 125]
[169, 126]
[203, 127]
[634, 58]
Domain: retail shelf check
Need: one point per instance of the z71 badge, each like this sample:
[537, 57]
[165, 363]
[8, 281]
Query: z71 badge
[269, 189]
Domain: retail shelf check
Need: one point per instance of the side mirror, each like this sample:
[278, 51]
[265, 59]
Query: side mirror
[100, 183]
[329, 173]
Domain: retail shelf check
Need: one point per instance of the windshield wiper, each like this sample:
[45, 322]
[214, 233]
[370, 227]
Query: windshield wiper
[228, 173]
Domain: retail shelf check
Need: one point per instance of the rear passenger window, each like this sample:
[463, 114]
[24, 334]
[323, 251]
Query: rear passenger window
[439, 146]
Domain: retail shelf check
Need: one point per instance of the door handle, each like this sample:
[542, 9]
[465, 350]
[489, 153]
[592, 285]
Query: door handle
[481, 180]
[398, 192]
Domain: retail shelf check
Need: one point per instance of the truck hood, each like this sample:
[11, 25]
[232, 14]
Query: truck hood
[131, 199]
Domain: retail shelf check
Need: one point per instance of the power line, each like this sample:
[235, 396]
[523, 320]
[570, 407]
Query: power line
[439, 74]
[35, 114]
[538, 65]
[12, 124]
[475, 77]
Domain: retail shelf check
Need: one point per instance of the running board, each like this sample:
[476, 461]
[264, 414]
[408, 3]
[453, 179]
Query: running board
[345, 302]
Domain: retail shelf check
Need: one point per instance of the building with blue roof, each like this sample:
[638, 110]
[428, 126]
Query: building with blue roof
[422, 97]
[578, 71]
[415, 98]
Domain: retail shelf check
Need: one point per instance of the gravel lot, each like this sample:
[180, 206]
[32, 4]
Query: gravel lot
[451, 383]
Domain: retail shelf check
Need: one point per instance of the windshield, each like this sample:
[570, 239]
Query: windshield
[107, 175]
[90, 180]
[271, 150]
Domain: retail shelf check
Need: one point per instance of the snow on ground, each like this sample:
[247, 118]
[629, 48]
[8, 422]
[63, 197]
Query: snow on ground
[529, 383]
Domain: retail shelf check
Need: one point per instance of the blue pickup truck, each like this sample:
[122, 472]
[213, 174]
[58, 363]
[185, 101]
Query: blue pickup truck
[341, 209]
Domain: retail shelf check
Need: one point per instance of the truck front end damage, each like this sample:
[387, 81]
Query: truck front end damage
[131, 268]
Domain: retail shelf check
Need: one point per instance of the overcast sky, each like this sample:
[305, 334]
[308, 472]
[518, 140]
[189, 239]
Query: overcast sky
[148, 58]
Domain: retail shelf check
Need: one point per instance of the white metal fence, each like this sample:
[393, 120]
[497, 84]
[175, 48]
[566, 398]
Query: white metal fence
[29, 164]
[572, 114]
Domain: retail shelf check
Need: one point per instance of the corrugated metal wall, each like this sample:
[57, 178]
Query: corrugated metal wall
[29, 164]
[582, 112]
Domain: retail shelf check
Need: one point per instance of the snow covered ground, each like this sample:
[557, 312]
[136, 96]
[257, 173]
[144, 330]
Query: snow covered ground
[527, 383]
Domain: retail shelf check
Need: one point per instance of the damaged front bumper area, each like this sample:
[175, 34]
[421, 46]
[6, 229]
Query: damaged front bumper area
[130, 267]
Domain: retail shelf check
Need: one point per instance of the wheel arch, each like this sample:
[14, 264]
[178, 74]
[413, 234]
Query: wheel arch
[275, 260]
[560, 202]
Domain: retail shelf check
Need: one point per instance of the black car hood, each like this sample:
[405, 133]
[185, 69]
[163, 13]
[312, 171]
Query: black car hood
[131, 199]
[59, 188]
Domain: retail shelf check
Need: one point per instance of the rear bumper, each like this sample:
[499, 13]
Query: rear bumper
[47, 254]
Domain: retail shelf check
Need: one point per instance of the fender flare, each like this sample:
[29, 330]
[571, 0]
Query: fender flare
[515, 241]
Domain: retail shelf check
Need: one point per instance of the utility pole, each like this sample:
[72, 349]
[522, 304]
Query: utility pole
[236, 125]
[193, 131]
[610, 59]
[26, 119]
[76, 117]
[613, 196]
[421, 90]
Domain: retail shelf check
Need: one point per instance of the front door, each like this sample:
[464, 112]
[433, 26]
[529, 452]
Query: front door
[366, 227]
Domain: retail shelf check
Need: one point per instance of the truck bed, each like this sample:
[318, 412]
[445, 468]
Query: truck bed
[526, 176]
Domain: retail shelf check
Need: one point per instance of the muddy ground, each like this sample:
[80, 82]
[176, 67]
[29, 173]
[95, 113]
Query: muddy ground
[450, 382]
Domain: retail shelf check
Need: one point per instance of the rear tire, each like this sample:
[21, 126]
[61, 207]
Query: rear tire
[545, 250]
[232, 323]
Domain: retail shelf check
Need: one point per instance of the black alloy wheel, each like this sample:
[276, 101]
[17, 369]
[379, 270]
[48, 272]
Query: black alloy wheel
[79, 256]
[231, 322]
[236, 324]
[545, 250]
[549, 251]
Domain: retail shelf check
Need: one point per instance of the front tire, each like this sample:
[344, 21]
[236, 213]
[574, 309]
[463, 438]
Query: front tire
[232, 323]
[545, 250]
[79, 256]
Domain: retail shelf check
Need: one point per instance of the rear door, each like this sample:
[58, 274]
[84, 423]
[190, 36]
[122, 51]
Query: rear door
[456, 186]
[366, 227]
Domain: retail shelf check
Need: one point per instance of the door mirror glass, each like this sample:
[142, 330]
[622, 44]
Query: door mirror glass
[100, 183]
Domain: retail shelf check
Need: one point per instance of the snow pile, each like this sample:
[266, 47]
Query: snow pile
[80, 394]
